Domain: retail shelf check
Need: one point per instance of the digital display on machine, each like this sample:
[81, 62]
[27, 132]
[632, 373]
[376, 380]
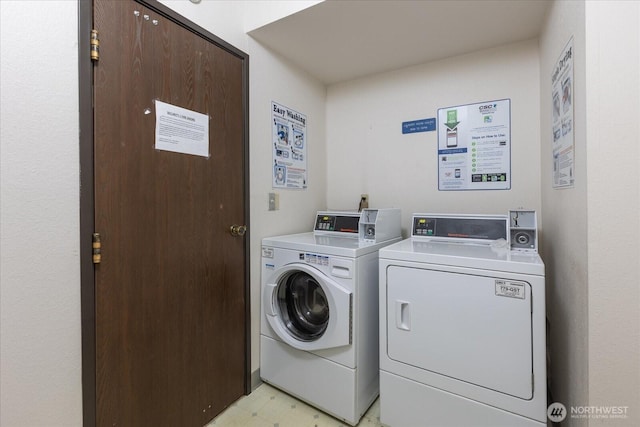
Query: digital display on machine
[424, 226]
[460, 228]
[339, 223]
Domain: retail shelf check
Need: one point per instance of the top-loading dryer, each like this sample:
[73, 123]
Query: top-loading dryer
[462, 327]
[319, 322]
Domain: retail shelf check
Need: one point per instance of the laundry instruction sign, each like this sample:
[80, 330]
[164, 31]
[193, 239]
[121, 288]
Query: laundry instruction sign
[289, 137]
[562, 119]
[474, 146]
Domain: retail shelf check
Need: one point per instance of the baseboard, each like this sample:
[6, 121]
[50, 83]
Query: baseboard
[255, 379]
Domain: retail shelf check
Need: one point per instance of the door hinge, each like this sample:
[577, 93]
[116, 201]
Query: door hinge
[97, 248]
[95, 45]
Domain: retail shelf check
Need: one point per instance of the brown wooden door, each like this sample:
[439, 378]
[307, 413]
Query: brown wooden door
[170, 290]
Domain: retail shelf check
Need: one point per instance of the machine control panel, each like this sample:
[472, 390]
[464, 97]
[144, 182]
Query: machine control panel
[369, 226]
[479, 228]
[346, 222]
[424, 226]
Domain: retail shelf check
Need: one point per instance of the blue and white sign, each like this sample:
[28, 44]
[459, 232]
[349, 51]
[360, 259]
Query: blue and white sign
[415, 126]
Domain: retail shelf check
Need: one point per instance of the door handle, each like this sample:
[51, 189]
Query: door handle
[267, 299]
[403, 316]
[238, 230]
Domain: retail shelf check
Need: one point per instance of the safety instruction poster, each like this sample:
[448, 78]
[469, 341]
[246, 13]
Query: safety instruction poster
[474, 146]
[563, 138]
[289, 137]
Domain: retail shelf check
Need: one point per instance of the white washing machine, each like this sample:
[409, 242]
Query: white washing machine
[319, 327]
[462, 327]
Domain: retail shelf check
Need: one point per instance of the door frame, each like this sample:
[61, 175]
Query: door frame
[87, 206]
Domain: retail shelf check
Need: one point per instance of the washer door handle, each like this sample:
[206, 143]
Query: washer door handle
[403, 316]
[267, 299]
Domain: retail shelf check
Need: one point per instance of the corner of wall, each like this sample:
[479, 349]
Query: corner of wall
[564, 211]
[613, 109]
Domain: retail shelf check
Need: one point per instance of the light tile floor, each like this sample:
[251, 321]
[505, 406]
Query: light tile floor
[267, 406]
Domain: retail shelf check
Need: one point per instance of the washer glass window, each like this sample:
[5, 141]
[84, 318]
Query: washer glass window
[303, 306]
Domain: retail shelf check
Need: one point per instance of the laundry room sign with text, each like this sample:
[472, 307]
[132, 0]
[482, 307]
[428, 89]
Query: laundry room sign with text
[289, 138]
[563, 136]
[474, 146]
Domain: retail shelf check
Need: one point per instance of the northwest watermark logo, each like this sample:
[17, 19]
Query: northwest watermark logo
[557, 412]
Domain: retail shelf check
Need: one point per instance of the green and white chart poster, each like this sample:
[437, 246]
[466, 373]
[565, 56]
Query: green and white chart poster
[289, 138]
[563, 139]
[474, 146]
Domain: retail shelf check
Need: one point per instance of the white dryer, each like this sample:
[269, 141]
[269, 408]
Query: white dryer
[462, 327]
[319, 323]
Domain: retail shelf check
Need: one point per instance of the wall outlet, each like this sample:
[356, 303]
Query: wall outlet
[364, 202]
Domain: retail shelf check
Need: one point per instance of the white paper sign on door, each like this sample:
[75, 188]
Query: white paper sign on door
[181, 130]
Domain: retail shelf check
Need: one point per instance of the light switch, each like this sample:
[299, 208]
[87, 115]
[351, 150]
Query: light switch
[274, 201]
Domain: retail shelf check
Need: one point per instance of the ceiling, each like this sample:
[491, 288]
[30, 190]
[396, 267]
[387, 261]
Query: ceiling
[339, 40]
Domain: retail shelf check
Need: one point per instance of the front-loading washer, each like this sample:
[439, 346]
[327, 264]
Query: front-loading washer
[462, 327]
[319, 322]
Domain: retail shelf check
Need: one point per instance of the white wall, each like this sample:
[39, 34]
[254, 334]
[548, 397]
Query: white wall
[565, 212]
[368, 153]
[593, 260]
[260, 12]
[613, 205]
[40, 355]
[232, 19]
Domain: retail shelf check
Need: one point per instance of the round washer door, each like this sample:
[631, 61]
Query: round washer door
[307, 309]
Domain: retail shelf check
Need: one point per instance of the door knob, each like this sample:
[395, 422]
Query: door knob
[238, 230]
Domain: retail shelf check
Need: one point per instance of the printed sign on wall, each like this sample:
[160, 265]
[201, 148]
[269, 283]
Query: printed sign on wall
[289, 137]
[474, 146]
[562, 99]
